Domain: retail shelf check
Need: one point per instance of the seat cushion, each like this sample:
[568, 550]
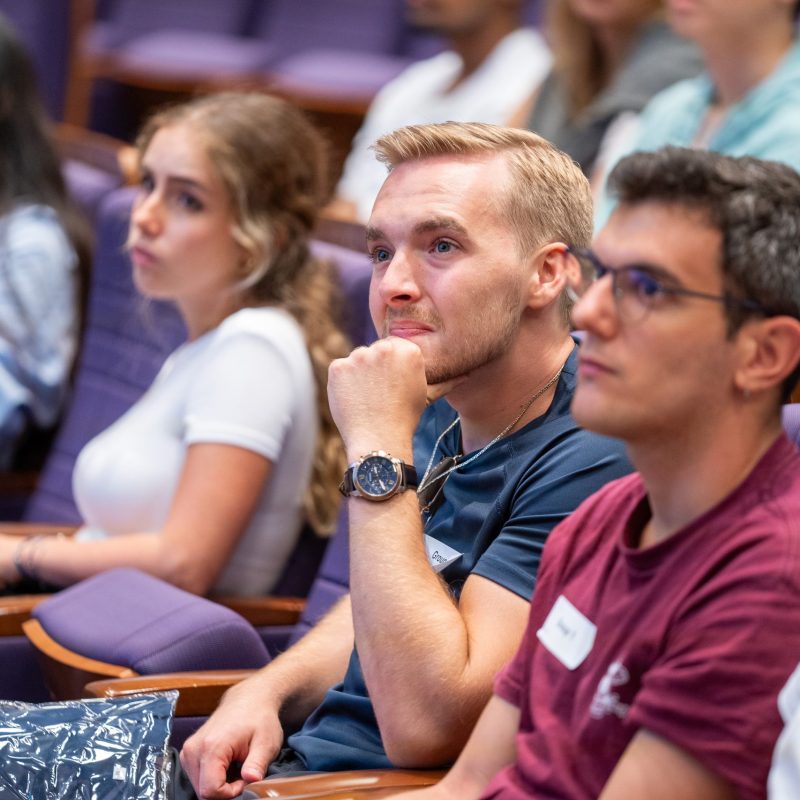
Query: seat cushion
[132, 619]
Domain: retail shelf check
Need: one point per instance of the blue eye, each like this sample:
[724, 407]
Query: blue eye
[644, 285]
[442, 246]
[379, 255]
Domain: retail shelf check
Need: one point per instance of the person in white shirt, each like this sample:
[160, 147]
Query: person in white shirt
[208, 479]
[490, 70]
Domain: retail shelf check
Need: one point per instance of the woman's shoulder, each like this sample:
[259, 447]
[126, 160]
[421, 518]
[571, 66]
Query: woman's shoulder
[274, 327]
[266, 321]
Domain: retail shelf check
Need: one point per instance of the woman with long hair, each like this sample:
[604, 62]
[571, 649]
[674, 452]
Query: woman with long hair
[208, 479]
[609, 58]
[44, 258]
[746, 102]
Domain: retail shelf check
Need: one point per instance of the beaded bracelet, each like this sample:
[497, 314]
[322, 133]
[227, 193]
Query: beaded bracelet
[23, 557]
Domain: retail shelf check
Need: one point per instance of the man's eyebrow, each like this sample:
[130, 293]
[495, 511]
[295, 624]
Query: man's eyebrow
[436, 224]
[371, 233]
[656, 270]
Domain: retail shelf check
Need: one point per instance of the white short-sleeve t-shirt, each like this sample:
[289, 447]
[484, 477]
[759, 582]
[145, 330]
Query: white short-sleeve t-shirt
[247, 383]
[424, 93]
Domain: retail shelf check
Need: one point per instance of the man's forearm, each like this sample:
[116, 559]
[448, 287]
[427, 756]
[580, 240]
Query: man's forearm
[298, 678]
[423, 672]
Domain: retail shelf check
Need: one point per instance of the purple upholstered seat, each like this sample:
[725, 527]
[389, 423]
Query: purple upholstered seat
[336, 75]
[131, 619]
[128, 618]
[88, 185]
[313, 47]
[354, 269]
[171, 55]
[791, 421]
[332, 581]
[123, 20]
[125, 342]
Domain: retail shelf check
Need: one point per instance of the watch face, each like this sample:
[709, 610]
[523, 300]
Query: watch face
[377, 476]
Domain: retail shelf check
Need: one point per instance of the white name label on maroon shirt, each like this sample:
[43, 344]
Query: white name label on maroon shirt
[567, 633]
[440, 555]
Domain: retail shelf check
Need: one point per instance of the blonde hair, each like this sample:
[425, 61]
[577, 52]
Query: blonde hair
[549, 198]
[578, 59]
[273, 163]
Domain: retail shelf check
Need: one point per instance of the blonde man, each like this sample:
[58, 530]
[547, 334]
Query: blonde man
[469, 237]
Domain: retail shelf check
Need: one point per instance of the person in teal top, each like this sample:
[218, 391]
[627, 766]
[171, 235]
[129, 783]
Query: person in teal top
[747, 102]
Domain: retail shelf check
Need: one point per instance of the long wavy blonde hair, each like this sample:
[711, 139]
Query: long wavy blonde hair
[273, 163]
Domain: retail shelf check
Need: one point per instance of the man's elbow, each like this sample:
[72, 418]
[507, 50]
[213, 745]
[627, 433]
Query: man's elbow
[424, 745]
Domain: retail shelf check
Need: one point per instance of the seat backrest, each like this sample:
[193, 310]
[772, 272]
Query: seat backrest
[126, 339]
[332, 581]
[366, 25]
[791, 421]
[354, 270]
[91, 164]
[133, 17]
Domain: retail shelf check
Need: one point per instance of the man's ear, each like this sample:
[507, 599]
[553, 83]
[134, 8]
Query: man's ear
[769, 353]
[551, 271]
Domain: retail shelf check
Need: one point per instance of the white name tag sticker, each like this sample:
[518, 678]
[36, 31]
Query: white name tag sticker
[440, 555]
[567, 633]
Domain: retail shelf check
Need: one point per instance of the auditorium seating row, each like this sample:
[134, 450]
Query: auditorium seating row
[326, 55]
[125, 342]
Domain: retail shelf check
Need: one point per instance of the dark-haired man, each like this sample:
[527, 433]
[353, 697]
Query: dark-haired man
[665, 620]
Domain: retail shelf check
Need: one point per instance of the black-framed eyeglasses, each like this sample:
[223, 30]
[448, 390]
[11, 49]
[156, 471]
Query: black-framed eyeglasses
[638, 288]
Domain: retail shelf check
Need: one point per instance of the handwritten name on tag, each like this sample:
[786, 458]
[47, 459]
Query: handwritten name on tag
[567, 633]
[440, 555]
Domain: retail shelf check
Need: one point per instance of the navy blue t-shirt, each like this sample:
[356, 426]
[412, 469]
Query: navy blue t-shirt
[497, 512]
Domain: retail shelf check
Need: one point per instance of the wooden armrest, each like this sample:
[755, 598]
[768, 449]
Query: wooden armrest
[368, 783]
[18, 482]
[199, 692]
[15, 610]
[260, 611]
[36, 529]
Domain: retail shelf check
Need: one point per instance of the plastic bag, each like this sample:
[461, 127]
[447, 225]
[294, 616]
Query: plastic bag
[98, 749]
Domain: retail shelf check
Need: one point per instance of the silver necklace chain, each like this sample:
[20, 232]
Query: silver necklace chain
[424, 483]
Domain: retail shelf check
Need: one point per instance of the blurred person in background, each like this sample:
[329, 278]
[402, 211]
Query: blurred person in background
[44, 258]
[609, 58]
[747, 102]
[490, 69]
[207, 480]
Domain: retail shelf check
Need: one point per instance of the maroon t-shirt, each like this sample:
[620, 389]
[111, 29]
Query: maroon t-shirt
[692, 638]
